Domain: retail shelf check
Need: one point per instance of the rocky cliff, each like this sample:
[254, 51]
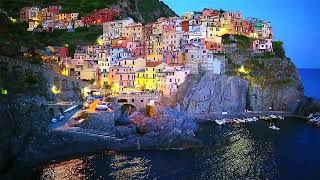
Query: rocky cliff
[257, 82]
[213, 93]
[21, 124]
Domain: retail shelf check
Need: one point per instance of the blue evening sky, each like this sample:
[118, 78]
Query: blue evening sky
[295, 22]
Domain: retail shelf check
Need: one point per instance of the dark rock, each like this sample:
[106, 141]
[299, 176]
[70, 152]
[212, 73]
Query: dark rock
[213, 93]
[123, 132]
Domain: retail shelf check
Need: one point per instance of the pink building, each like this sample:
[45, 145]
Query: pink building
[169, 27]
[121, 78]
[136, 48]
[210, 12]
[54, 9]
[171, 78]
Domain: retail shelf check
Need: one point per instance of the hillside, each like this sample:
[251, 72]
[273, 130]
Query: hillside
[144, 11]
[14, 39]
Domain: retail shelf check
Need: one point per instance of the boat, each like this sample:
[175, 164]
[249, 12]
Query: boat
[241, 120]
[220, 122]
[102, 105]
[313, 120]
[54, 120]
[272, 116]
[273, 127]
[255, 118]
[264, 118]
[102, 109]
[61, 118]
[281, 117]
[250, 120]
[70, 109]
[234, 121]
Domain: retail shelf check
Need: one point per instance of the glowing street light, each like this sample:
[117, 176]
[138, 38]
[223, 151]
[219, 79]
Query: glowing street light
[13, 20]
[243, 70]
[100, 42]
[55, 90]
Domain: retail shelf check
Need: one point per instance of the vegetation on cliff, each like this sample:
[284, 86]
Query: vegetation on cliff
[14, 38]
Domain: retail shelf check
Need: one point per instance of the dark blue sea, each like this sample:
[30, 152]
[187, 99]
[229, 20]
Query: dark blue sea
[245, 151]
[311, 82]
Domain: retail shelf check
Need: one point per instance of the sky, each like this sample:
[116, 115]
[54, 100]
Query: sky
[295, 22]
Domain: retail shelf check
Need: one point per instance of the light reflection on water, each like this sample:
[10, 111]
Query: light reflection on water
[124, 167]
[72, 169]
[249, 151]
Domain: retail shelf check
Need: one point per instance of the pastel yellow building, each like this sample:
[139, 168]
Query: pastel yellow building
[150, 75]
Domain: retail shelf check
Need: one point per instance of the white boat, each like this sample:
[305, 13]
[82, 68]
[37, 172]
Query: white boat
[220, 122]
[310, 116]
[313, 120]
[281, 117]
[241, 120]
[273, 127]
[54, 120]
[255, 118]
[273, 116]
[250, 120]
[102, 105]
[70, 109]
[61, 118]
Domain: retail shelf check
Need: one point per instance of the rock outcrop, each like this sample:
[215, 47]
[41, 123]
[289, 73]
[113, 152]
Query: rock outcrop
[21, 124]
[169, 129]
[213, 93]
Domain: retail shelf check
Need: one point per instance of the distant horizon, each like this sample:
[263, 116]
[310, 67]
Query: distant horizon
[285, 15]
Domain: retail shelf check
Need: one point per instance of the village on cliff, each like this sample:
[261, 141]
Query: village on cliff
[130, 57]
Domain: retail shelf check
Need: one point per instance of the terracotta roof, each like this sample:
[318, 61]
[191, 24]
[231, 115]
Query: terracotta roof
[153, 63]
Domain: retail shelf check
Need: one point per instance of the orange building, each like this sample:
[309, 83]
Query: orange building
[121, 78]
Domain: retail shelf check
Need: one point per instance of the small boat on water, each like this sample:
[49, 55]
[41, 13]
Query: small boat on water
[272, 116]
[234, 121]
[61, 118]
[250, 120]
[266, 118]
[310, 116]
[274, 127]
[241, 120]
[54, 120]
[281, 117]
[220, 122]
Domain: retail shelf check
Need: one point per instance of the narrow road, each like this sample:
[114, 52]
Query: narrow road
[60, 124]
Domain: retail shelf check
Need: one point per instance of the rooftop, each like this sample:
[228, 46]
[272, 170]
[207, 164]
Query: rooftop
[153, 63]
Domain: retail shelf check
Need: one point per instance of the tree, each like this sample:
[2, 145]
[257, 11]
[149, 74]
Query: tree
[92, 81]
[278, 49]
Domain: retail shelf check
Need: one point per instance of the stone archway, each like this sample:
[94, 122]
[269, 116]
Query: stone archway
[122, 101]
[128, 108]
